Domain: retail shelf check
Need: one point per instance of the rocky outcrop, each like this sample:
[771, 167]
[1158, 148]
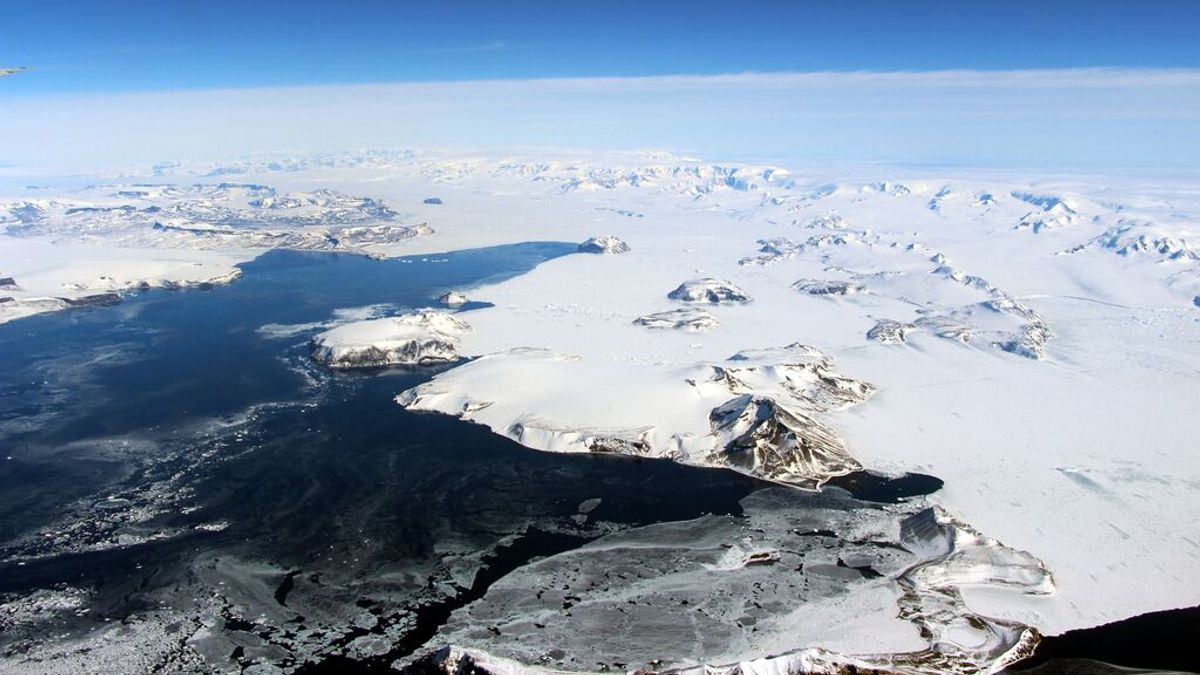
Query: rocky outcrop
[758, 412]
[534, 432]
[453, 299]
[607, 244]
[96, 300]
[955, 556]
[690, 319]
[819, 287]
[1028, 336]
[778, 249]
[1053, 212]
[710, 290]
[1030, 342]
[760, 436]
[890, 332]
[770, 428]
[418, 338]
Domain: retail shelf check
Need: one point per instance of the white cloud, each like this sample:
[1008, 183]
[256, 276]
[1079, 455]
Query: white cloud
[1082, 117]
[494, 46]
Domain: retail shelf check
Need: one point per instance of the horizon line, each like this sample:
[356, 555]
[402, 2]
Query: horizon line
[955, 78]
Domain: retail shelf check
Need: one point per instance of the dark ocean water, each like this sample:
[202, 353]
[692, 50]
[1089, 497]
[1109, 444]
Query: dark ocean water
[1158, 642]
[161, 361]
[164, 447]
[155, 450]
[147, 444]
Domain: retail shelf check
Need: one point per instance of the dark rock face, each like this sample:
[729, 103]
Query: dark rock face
[449, 661]
[889, 332]
[408, 352]
[98, 300]
[1030, 343]
[770, 440]
[619, 446]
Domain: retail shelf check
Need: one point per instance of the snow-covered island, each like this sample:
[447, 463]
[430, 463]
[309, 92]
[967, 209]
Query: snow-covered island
[416, 338]
[453, 299]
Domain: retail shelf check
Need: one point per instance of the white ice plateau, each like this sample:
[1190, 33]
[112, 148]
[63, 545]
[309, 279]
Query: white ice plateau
[1033, 340]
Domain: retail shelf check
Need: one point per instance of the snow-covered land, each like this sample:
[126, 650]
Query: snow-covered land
[758, 411]
[44, 274]
[1033, 340]
[92, 244]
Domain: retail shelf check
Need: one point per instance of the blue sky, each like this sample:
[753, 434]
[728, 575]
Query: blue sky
[120, 46]
[1086, 85]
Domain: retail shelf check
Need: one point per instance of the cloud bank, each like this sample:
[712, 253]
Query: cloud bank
[1081, 117]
